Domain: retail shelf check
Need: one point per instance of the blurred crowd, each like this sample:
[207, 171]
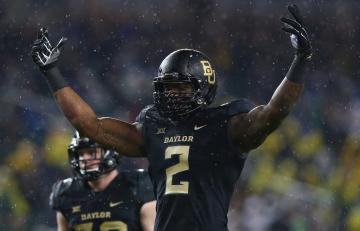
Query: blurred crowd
[306, 176]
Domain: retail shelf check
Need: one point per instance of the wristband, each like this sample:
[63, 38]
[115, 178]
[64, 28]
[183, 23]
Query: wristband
[297, 69]
[54, 79]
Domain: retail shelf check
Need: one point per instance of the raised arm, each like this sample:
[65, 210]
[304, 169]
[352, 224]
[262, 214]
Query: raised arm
[113, 133]
[249, 130]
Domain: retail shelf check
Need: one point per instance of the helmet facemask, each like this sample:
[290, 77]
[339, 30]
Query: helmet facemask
[100, 162]
[177, 98]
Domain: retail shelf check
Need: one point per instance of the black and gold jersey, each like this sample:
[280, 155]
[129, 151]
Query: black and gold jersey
[115, 208]
[193, 167]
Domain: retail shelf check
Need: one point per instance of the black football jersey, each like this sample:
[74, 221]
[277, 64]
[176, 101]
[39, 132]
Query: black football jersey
[115, 208]
[193, 167]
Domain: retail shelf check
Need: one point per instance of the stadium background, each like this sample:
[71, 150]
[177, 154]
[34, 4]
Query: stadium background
[305, 177]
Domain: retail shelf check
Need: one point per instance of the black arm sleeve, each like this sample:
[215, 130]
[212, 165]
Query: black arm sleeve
[297, 69]
[54, 78]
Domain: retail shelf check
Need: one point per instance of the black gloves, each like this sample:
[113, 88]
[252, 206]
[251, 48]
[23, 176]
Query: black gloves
[45, 57]
[43, 54]
[299, 37]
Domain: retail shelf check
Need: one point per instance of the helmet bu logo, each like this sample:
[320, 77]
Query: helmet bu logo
[208, 71]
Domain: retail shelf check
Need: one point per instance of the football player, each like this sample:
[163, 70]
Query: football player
[196, 153]
[99, 197]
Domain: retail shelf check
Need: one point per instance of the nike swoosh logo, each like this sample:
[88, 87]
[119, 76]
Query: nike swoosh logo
[115, 204]
[200, 127]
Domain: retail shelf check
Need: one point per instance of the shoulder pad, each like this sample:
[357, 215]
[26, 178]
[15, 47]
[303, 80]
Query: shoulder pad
[58, 190]
[129, 176]
[149, 113]
[238, 106]
[142, 115]
[226, 110]
[132, 176]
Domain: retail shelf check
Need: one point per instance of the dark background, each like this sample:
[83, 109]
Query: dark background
[305, 177]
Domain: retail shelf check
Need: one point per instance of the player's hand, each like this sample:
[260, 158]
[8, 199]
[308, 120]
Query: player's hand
[43, 53]
[298, 35]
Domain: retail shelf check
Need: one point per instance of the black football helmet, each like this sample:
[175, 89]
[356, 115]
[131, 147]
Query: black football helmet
[109, 159]
[184, 66]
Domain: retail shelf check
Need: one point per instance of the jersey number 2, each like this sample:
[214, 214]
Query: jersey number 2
[183, 165]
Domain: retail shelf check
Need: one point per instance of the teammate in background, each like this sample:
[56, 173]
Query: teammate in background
[196, 153]
[99, 197]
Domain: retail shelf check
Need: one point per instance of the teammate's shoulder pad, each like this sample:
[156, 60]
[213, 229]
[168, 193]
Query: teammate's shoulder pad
[141, 173]
[239, 106]
[59, 188]
[62, 186]
[140, 170]
[133, 175]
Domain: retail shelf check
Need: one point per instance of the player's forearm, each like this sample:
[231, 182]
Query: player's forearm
[283, 100]
[77, 111]
[296, 72]
[288, 92]
[270, 116]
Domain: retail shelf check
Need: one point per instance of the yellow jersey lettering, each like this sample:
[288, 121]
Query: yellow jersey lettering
[95, 215]
[173, 139]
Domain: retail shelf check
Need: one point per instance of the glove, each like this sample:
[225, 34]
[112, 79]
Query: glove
[298, 35]
[43, 54]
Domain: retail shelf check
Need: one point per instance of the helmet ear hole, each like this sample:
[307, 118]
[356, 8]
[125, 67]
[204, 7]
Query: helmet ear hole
[200, 101]
[110, 159]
